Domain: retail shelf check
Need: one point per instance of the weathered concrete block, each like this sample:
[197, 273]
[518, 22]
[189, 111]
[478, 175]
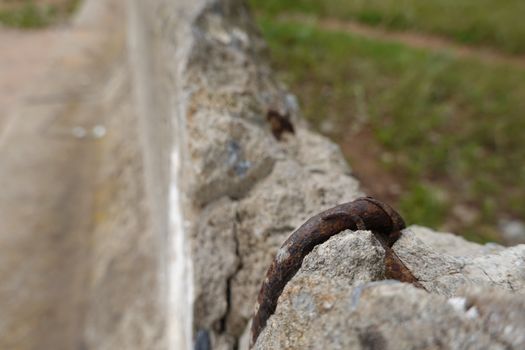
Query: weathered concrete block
[339, 300]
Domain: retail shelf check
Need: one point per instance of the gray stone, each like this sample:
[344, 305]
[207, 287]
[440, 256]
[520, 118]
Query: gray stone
[228, 155]
[391, 315]
[451, 244]
[355, 257]
[214, 244]
[340, 300]
[442, 267]
[262, 188]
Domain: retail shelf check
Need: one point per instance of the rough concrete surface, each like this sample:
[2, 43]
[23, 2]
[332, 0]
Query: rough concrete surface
[323, 313]
[339, 299]
[444, 270]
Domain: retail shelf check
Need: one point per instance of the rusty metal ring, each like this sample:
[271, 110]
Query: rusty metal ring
[365, 213]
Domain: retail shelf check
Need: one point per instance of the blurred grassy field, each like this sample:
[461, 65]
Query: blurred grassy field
[440, 137]
[497, 24]
[33, 14]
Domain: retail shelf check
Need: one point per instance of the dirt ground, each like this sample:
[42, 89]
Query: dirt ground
[26, 56]
[66, 145]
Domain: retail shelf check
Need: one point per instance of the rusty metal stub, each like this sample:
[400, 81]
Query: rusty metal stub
[279, 123]
[365, 213]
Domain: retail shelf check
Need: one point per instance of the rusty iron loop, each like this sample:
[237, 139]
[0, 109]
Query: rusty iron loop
[365, 213]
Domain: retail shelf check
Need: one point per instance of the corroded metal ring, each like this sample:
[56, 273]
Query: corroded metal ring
[364, 213]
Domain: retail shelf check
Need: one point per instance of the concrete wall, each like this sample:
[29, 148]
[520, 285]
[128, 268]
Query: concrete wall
[245, 171]
[205, 91]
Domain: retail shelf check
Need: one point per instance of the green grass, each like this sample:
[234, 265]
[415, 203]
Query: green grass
[481, 22]
[451, 130]
[28, 14]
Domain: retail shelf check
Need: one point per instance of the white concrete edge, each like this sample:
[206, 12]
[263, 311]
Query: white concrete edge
[180, 268]
[176, 277]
